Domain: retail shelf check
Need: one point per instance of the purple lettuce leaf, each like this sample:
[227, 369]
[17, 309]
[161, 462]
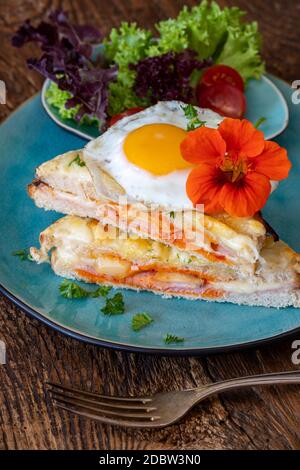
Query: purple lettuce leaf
[66, 60]
[168, 76]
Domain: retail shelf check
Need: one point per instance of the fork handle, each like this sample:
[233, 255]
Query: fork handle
[290, 377]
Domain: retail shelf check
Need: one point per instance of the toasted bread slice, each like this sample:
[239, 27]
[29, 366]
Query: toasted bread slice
[69, 188]
[84, 249]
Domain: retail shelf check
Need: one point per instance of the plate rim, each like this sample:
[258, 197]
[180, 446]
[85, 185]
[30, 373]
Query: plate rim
[284, 103]
[155, 351]
[114, 345]
[85, 136]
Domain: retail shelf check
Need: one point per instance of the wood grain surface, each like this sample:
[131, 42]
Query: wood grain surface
[255, 419]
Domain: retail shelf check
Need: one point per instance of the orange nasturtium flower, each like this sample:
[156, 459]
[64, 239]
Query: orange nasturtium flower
[233, 167]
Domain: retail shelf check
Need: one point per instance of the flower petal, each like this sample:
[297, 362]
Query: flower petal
[242, 137]
[247, 197]
[203, 145]
[273, 162]
[203, 186]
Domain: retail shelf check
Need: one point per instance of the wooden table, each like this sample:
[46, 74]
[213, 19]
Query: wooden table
[255, 419]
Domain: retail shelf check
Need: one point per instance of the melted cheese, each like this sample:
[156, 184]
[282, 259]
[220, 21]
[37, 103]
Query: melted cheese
[87, 239]
[86, 247]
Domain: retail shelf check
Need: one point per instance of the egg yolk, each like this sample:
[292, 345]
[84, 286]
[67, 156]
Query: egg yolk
[156, 148]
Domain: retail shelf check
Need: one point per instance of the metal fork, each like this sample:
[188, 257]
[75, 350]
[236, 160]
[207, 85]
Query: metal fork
[158, 411]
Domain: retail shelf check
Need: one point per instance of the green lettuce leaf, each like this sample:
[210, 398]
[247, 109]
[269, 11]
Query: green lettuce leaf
[206, 28]
[57, 98]
[126, 45]
[213, 32]
[242, 51]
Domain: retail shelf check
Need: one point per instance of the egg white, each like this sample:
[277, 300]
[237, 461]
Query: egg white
[106, 152]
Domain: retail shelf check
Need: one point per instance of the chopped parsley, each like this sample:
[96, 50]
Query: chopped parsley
[71, 290]
[101, 291]
[169, 339]
[140, 320]
[114, 305]
[23, 255]
[172, 214]
[192, 116]
[259, 122]
[77, 160]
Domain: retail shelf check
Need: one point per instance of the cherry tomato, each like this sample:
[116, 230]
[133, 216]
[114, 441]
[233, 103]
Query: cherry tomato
[222, 74]
[223, 99]
[128, 112]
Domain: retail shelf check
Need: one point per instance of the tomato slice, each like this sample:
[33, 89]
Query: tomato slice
[222, 74]
[223, 99]
[128, 112]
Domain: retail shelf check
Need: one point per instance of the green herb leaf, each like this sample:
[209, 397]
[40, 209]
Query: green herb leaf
[101, 291]
[192, 116]
[172, 214]
[213, 32]
[23, 255]
[169, 339]
[259, 122]
[124, 46]
[71, 290]
[77, 160]
[140, 320]
[58, 98]
[114, 306]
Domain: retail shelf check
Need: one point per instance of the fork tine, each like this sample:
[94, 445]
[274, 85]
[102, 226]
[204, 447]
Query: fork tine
[119, 414]
[141, 400]
[93, 401]
[107, 420]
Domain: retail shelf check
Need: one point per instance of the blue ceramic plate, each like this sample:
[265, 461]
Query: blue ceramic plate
[264, 99]
[28, 138]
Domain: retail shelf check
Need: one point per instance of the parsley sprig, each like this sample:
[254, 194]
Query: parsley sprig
[72, 290]
[114, 305]
[23, 255]
[141, 320]
[77, 160]
[192, 116]
[169, 339]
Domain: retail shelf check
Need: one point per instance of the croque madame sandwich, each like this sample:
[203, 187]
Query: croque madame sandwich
[135, 198]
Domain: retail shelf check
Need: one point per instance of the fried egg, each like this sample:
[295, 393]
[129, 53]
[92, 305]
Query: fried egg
[142, 154]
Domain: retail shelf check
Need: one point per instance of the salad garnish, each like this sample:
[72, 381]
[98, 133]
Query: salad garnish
[259, 122]
[67, 60]
[221, 88]
[77, 160]
[114, 305]
[141, 320]
[192, 117]
[169, 339]
[72, 290]
[168, 76]
[135, 68]
[23, 255]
